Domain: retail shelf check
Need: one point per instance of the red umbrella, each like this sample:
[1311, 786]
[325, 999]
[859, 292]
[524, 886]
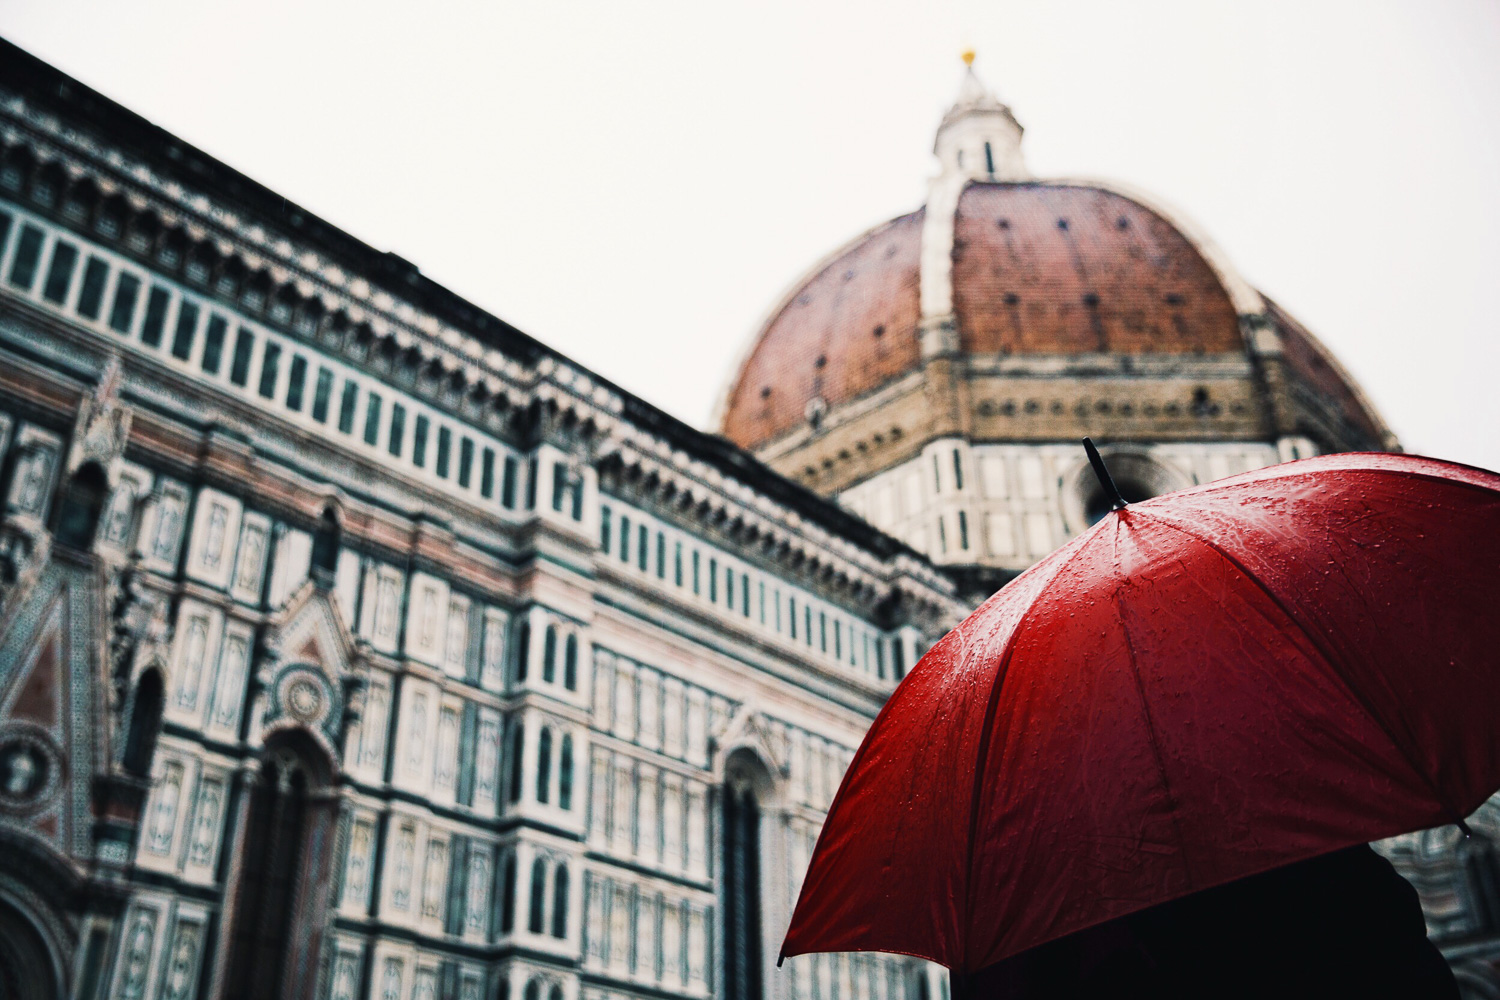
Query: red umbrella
[1204, 686]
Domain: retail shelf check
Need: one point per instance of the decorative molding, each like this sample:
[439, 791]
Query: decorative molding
[747, 729]
[102, 427]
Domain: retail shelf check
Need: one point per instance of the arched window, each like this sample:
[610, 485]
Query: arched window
[517, 743]
[741, 881]
[543, 765]
[263, 932]
[535, 922]
[82, 503]
[508, 894]
[534, 990]
[325, 545]
[504, 991]
[570, 663]
[560, 902]
[523, 650]
[559, 485]
[565, 773]
[556, 992]
[145, 723]
[549, 655]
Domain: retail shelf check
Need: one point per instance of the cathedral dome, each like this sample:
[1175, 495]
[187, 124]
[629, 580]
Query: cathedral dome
[1003, 273]
[1037, 268]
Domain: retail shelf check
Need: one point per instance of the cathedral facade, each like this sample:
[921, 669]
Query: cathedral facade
[356, 645]
[353, 644]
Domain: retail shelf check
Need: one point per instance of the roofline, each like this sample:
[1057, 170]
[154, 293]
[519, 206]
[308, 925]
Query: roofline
[1388, 439]
[46, 86]
[759, 331]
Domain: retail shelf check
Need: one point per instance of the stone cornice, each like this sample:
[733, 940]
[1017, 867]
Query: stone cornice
[162, 214]
[658, 475]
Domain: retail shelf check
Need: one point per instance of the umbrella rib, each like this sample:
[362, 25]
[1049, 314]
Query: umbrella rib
[1324, 651]
[1140, 690]
[986, 726]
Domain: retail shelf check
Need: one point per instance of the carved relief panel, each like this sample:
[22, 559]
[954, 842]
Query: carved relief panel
[215, 531]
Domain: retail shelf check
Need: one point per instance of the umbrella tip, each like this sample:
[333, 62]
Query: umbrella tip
[780, 957]
[1101, 470]
[1463, 828]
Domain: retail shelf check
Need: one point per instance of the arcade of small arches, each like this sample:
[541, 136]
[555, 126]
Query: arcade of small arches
[162, 237]
[533, 989]
[550, 642]
[546, 911]
[546, 783]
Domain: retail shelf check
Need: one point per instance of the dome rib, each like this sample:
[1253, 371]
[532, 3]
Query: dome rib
[1330, 384]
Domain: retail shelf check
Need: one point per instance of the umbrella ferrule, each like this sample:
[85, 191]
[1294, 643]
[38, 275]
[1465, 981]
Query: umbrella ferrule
[1117, 502]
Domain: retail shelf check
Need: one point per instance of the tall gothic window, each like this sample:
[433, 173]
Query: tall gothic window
[325, 545]
[543, 765]
[145, 723]
[565, 773]
[535, 921]
[517, 743]
[560, 902]
[549, 655]
[271, 863]
[570, 662]
[82, 503]
[523, 650]
[741, 885]
[508, 894]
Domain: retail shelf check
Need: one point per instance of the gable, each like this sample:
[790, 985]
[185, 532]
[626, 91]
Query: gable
[50, 734]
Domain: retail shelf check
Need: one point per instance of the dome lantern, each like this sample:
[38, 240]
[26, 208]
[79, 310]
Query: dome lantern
[979, 138]
[978, 141]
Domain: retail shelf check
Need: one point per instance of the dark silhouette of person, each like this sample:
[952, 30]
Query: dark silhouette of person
[1341, 925]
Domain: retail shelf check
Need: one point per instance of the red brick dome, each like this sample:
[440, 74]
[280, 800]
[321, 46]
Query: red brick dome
[1011, 309]
[1037, 268]
[847, 329]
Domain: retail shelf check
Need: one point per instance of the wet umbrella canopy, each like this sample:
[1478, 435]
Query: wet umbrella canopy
[1204, 686]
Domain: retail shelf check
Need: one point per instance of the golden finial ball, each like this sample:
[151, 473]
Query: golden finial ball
[968, 57]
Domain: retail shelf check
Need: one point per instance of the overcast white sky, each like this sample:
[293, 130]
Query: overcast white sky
[637, 183]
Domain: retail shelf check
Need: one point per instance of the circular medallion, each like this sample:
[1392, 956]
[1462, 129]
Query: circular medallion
[31, 768]
[302, 697]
